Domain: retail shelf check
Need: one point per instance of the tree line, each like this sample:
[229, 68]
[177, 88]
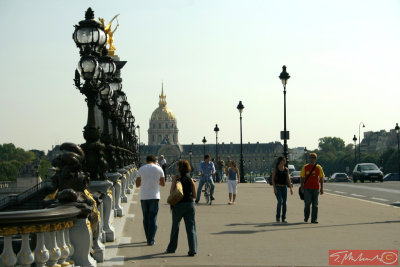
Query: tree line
[13, 158]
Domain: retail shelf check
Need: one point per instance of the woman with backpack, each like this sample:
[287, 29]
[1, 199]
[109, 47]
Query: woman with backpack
[184, 209]
[280, 181]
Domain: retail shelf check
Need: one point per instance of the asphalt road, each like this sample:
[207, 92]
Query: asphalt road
[385, 193]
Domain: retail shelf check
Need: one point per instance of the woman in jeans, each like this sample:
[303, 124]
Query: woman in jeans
[184, 209]
[280, 181]
[233, 180]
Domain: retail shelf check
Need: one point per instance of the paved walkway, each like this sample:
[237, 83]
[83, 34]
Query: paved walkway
[246, 234]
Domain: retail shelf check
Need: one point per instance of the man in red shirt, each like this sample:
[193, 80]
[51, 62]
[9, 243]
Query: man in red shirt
[312, 187]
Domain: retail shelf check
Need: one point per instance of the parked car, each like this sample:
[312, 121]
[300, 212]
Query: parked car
[367, 172]
[391, 177]
[295, 177]
[260, 180]
[340, 177]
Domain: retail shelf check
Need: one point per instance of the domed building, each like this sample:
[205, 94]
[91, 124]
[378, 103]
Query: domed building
[163, 127]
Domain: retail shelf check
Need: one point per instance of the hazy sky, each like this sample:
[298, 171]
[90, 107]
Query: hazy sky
[343, 58]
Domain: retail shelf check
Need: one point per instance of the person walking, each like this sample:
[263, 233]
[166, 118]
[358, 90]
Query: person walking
[184, 209]
[220, 170]
[233, 181]
[163, 164]
[150, 177]
[206, 170]
[280, 181]
[312, 184]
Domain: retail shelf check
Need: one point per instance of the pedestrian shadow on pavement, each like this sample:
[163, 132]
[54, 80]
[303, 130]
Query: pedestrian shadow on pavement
[136, 244]
[307, 226]
[161, 255]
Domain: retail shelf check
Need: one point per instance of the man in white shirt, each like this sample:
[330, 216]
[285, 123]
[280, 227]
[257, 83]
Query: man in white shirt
[150, 177]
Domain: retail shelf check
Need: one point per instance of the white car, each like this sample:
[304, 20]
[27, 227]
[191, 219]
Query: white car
[260, 180]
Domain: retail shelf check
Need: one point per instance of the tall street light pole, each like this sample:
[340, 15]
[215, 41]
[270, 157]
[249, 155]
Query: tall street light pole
[190, 159]
[216, 130]
[359, 140]
[355, 150]
[240, 107]
[284, 76]
[397, 128]
[138, 127]
[204, 145]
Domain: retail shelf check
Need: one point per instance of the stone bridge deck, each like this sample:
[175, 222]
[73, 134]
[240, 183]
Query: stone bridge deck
[246, 234]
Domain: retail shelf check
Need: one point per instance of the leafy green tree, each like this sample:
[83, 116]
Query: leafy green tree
[331, 144]
[44, 168]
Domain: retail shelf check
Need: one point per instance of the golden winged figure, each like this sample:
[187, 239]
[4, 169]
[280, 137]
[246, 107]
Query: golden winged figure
[109, 33]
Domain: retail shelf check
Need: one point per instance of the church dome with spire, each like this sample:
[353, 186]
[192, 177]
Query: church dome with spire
[163, 127]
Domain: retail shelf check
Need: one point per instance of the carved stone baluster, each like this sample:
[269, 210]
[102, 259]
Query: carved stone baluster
[25, 256]
[8, 258]
[114, 177]
[54, 250]
[41, 252]
[63, 247]
[68, 242]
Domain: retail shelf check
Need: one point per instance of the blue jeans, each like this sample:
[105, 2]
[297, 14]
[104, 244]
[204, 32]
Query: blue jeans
[311, 198]
[150, 211]
[219, 176]
[281, 196]
[186, 211]
[201, 183]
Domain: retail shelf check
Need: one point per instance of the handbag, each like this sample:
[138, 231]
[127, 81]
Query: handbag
[176, 195]
[301, 194]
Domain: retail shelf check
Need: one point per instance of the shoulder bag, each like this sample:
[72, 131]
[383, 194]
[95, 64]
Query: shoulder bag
[301, 194]
[176, 195]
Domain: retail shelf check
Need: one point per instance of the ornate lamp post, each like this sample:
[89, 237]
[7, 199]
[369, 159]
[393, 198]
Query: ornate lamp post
[204, 145]
[240, 107]
[138, 128]
[355, 149]
[216, 130]
[397, 128]
[359, 140]
[90, 38]
[284, 76]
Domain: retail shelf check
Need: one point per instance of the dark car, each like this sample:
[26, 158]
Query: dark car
[391, 177]
[295, 177]
[340, 177]
[367, 172]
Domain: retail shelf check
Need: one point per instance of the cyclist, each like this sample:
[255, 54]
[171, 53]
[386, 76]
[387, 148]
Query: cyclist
[206, 171]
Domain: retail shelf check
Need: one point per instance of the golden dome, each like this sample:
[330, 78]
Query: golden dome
[162, 113]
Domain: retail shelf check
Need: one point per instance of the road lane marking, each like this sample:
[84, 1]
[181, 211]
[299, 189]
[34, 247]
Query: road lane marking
[355, 195]
[386, 190]
[340, 192]
[327, 190]
[380, 199]
[364, 200]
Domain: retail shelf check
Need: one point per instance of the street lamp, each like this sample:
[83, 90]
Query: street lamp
[204, 145]
[284, 76]
[359, 140]
[190, 159]
[397, 128]
[355, 149]
[216, 130]
[240, 107]
[305, 154]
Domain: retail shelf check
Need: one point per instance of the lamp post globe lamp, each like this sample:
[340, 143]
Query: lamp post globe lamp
[89, 35]
[397, 128]
[355, 149]
[204, 145]
[240, 108]
[284, 77]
